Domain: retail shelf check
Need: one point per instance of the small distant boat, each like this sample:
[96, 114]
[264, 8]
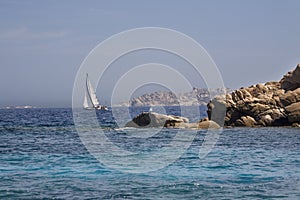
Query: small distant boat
[90, 99]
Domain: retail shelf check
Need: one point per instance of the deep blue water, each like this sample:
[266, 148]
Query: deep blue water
[42, 156]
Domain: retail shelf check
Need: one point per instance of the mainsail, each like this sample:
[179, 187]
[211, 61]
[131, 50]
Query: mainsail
[90, 99]
[85, 102]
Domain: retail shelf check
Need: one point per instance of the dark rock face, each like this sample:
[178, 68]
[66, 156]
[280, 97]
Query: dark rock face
[269, 104]
[152, 119]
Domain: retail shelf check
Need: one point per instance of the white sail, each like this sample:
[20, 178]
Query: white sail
[92, 93]
[90, 99]
[85, 102]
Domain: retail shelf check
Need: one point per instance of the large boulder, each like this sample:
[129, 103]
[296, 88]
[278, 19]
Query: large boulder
[246, 121]
[152, 119]
[216, 110]
[293, 112]
[208, 125]
[291, 80]
[290, 97]
[156, 120]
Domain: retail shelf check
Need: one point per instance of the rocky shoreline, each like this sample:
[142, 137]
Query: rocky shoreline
[271, 104]
[274, 103]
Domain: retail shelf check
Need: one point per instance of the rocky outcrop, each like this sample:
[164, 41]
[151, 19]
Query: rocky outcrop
[269, 104]
[152, 119]
[291, 80]
[156, 120]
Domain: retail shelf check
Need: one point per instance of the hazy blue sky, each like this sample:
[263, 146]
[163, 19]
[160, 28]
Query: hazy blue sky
[42, 43]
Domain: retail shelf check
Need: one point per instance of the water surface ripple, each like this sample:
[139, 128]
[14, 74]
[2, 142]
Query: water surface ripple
[41, 156]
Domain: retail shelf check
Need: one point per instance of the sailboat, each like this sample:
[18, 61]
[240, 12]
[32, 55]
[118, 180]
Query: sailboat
[90, 99]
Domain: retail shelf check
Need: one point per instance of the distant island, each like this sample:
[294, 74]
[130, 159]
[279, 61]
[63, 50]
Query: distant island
[198, 96]
[19, 107]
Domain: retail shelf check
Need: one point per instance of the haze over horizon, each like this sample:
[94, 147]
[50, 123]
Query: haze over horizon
[42, 44]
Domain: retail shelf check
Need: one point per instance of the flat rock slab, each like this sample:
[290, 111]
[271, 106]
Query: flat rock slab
[156, 120]
[153, 119]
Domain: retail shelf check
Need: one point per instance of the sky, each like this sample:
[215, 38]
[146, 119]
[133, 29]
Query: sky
[43, 43]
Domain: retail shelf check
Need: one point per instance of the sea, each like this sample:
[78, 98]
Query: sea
[43, 155]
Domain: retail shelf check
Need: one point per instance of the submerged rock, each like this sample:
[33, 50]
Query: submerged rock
[270, 104]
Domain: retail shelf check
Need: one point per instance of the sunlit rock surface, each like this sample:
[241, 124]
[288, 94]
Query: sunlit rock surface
[269, 104]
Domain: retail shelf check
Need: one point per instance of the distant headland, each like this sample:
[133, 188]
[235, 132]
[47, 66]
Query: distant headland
[19, 107]
[198, 96]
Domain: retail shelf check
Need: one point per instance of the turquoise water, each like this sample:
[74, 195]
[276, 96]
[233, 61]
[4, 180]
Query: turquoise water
[42, 156]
